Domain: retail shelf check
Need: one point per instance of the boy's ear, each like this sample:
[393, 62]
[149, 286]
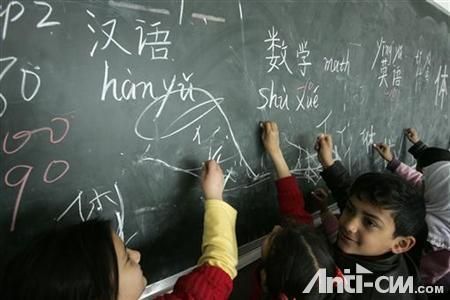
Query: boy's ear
[403, 244]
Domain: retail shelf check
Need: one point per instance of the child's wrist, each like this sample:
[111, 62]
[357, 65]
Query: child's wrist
[213, 196]
[328, 163]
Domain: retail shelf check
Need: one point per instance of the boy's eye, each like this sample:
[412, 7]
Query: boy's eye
[369, 223]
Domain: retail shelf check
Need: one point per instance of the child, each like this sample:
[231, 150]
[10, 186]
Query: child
[424, 155]
[381, 215]
[88, 261]
[435, 181]
[292, 254]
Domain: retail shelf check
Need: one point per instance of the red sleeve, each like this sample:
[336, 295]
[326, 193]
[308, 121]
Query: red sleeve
[204, 282]
[291, 201]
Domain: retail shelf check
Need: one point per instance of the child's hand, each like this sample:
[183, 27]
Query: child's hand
[270, 137]
[411, 134]
[321, 195]
[212, 180]
[324, 148]
[384, 151]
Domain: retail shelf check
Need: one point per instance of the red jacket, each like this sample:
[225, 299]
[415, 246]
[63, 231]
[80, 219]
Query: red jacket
[204, 282]
[291, 201]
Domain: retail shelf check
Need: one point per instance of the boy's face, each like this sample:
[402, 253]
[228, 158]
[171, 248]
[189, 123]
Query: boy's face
[365, 229]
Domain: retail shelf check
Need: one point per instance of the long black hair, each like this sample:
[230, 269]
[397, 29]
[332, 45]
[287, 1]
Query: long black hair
[77, 262]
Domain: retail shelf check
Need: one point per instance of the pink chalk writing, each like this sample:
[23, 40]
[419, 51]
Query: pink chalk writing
[18, 175]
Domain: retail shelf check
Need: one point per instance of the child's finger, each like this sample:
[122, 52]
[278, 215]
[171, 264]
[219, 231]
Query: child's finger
[317, 145]
[409, 132]
[204, 170]
[266, 126]
[321, 192]
[318, 196]
[318, 142]
[263, 126]
[380, 148]
[274, 126]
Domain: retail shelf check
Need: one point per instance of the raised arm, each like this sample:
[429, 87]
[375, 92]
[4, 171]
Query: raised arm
[290, 198]
[394, 165]
[219, 246]
[270, 137]
[334, 173]
[418, 146]
[217, 265]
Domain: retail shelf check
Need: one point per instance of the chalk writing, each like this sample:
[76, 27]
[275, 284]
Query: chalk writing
[202, 103]
[309, 98]
[44, 22]
[97, 201]
[31, 81]
[324, 122]
[303, 54]
[158, 41]
[272, 99]
[389, 56]
[109, 35]
[8, 17]
[277, 49]
[14, 11]
[307, 165]
[334, 65]
[58, 168]
[367, 137]
[37, 84]
[423, 69]
[197, 134]
[87, 204]
[441, 86]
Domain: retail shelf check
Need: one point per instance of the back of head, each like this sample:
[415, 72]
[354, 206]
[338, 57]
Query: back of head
[296, 254]
[74, 263]
[436, 179]
[391, 192]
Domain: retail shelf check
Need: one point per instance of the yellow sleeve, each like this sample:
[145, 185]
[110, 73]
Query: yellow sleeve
[219, 246]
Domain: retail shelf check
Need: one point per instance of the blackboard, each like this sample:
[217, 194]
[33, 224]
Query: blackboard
[108, 108]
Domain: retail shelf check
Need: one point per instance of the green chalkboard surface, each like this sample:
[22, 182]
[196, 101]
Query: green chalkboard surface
[108, 108]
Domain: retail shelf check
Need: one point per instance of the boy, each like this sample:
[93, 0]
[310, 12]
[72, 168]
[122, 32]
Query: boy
[381, 217]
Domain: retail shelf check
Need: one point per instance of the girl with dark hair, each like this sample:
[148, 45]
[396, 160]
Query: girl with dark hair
[88, 261]
[292, 254]
[83, 261]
